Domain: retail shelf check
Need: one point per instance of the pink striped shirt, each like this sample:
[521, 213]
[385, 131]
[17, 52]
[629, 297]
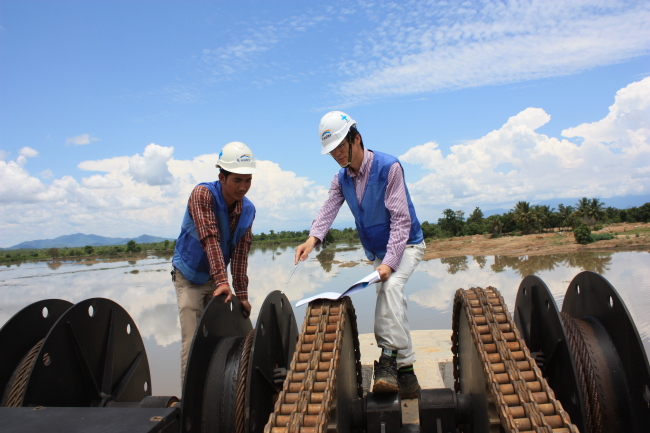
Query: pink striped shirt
[395, 201]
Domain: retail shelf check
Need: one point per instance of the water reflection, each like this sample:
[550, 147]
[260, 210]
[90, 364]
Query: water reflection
[325, 257]
[455, 264]
[143, 287]
[527, 265]
[54, 265]
[481, 261]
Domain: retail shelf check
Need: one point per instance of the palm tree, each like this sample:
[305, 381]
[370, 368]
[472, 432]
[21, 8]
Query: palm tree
[566, 215]
[544, 215]
[496, 224]
[525, 216]
[596, 209]
[590, 211]
[582, 207]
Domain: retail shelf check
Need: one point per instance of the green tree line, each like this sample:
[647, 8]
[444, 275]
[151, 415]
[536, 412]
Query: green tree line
[524, 218]
[129, 249]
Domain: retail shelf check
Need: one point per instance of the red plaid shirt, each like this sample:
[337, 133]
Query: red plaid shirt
[201, 207]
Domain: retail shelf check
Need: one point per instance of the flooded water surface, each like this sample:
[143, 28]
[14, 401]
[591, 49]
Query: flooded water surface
[144, 289]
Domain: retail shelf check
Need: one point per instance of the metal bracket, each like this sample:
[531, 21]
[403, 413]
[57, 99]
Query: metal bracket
[383, 412]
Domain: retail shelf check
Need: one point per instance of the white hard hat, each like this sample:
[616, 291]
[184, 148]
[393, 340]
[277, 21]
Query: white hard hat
[333, 128]
[237, 158]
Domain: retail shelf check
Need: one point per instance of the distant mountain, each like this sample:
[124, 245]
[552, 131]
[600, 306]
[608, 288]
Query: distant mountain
[81, 240]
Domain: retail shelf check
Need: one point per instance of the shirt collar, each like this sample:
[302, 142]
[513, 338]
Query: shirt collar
[365, 164]
[238, 208]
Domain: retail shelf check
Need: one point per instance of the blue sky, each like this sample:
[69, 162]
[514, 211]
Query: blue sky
[111, 111]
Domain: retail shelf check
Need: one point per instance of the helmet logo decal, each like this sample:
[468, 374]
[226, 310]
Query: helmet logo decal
[244, 158]
[220, 154]
[345, 118]
[326, 134]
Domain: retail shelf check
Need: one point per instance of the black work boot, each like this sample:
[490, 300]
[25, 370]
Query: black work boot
[386, 374]
[408, 384]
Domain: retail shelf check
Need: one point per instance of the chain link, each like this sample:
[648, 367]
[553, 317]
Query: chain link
[519, 394]
[307, 399]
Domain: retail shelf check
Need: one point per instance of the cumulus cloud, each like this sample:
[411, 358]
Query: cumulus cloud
[28, 152]
[626, 126]
[17, 186]
[131, 196]
[283, 195]
[422, 46]
[515, 162]
[148, 192]
[81, 139]
[151, 168]
[97, 181]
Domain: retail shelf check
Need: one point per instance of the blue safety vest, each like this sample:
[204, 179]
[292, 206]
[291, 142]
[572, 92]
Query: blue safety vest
[190, 257]
[371, 215]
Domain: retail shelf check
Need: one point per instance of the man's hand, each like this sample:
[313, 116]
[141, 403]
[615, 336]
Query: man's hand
[224, 289]
[384, 272]
[303, 250]
[246, 308]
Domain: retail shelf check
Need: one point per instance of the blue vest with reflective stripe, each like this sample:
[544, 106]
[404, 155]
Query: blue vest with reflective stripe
[371, 215]
[190, 257]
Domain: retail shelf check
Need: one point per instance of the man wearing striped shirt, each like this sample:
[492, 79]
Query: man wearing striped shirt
[216, 231]
[372, 183]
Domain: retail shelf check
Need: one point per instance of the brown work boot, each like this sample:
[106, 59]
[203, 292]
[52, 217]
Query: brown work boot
[408, 384]
[386, 374]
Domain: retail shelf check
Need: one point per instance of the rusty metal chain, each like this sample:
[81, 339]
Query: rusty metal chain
[519, 394]
[308, 395]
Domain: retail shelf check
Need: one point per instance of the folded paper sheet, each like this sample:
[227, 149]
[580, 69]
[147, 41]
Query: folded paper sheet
[359, 285]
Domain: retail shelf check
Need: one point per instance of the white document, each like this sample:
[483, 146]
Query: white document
[359, 285]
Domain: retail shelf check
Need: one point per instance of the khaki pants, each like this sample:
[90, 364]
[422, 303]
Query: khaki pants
[192, 300]
[391, 323]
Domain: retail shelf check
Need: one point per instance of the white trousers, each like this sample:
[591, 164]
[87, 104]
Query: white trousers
[391, 324]
[192, 300]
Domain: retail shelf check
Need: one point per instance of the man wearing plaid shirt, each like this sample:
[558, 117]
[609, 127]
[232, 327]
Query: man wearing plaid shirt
[216, 231]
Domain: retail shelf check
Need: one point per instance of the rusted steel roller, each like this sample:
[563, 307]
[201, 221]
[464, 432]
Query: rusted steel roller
[231, 379]
[92, 356]
[592, 350]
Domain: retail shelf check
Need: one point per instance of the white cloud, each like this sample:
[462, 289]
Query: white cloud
[97, 181]
[28, 152]
[130, 200]
[151, 168]
[17, 186]
[423, 46]
[81, 139]
[626, 126]
[610, 161]
[249, 45]
[46, 174]
[148, 193]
